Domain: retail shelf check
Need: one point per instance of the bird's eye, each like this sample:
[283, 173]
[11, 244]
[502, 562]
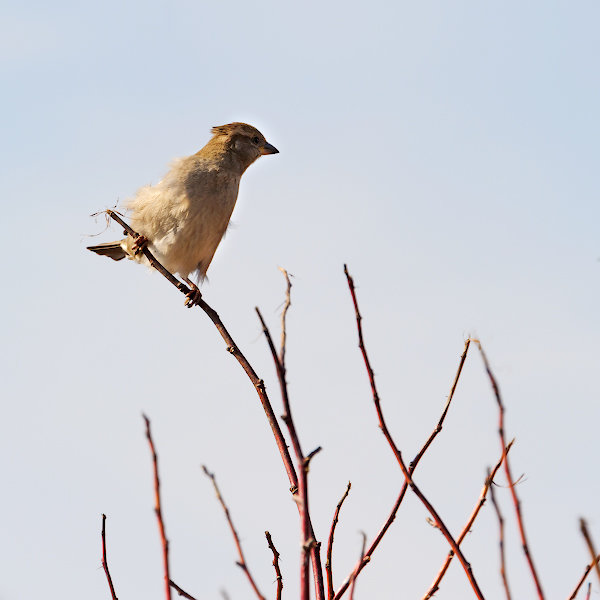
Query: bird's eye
[255, 140]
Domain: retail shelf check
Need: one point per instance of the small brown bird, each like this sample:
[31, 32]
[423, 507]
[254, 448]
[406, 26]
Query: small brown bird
[184, 216]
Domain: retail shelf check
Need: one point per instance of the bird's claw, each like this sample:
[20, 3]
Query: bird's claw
[192, 298]
[140, 242]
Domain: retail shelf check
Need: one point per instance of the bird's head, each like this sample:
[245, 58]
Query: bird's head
[245, 141]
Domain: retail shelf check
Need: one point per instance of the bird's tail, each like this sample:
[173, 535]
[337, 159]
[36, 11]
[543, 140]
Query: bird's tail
[113, 250]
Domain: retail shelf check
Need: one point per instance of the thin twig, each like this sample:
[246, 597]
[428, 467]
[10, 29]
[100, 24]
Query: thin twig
[584, 576]
[511, 482]
[503, 573]
[105, 560]
[180, 591]
[275, 565]
[362, 553]
[435, 586]
[336, 516]
[366, 559]
[232, 348]
[589, 543]
[158, 511]
[589, 592]
[242, 562]
[286, 306]
[405, 471]
[310, 547]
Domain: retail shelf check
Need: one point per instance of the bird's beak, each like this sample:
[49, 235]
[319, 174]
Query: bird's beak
[268, 149]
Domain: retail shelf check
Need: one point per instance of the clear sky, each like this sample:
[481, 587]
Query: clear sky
[448, 152]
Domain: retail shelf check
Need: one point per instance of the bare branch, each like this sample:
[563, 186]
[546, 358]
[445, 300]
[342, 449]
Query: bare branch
[242, 562]
[584, 576]
[232, 348]
[589, 542]
[336, 516]
[366, 559]
[589, 592]
[309, 544]
[511, 482]
[407, 474]
[488, 482]
[180, 591]
[362, 554]
[275, 565]
[158, 511]
[286, 306]
[503, 573]
[105, 560]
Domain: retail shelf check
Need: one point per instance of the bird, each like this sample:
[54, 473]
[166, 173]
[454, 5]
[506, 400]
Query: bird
[183, 217]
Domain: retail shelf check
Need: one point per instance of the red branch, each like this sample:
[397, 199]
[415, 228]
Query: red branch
[105, 560]
[413, 465]
[309, 544]
[589, 592]
[511, 482]
[584, 576]
[158, 511]
[488, 482]
[405, 471]
[242, 562]
[180, 591]
[275, 565]
[501, 543]
[362, 553]
[589, 543]
[334, 523]
[232, 348]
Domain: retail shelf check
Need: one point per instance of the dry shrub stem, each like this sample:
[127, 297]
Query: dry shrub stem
[242, 562]
[584, 576]
[232, 348]
[585, 532]
[328, 563]
[362, 553]
[180, 591]
[158, 511]
[413, 465]
[511, 483]
[503, 573]
[488, 483]
[275, 565]
[105, 560]
[405, 471]
[310, 546]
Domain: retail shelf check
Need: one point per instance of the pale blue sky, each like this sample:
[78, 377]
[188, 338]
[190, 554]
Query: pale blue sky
[447, 152]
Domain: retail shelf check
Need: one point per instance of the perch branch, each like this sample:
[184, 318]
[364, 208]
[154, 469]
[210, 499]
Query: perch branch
[413, 465]
[336, 516]
[503, 573]
[488, 482]
[232, 348]
[584, 576]
[589, 543]
[105, 560]
[405, 471]
[158, 511]
[242, 562]
[511, 482]
[275, 565]
[180, 591]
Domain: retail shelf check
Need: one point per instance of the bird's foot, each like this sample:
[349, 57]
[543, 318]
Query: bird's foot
[140, 242]
[192, 298]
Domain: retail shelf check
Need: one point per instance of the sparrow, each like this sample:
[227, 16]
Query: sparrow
[182, 218]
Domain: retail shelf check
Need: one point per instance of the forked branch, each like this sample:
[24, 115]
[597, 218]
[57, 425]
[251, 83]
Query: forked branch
[511, 482]
[405, 471]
